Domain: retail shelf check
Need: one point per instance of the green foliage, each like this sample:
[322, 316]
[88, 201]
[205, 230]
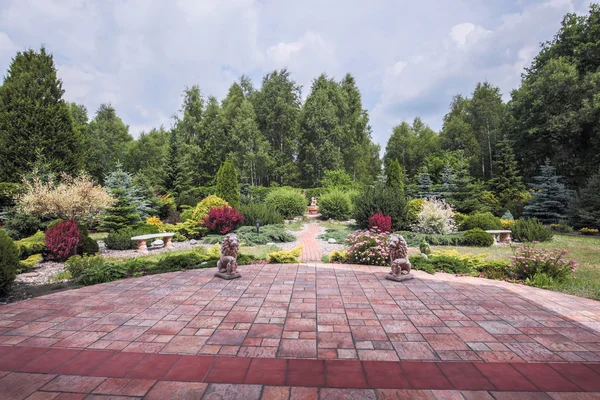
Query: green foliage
[288, 202]
[506, 183]
[561, 227]
[249, 237]
[29, 262]
[413, 209]
[8, 192]
[338, 256]
[260, 211]
[340, 235]
[9, 262]
[285, 256]
[414, 239]
[529, 261]
[176, 262]
[253, 194]
[550, 197]
[336, 179]
[101, 272]
[451, 261]
[176, 179]
[203, 208]
[588, 231]
[121, 184]
[486, 221]
[227, 184]
[19, 224]
[585, 210]
[189, 229]
[335, 205]
[507, 216]
[379, 199]
[121, 240]
[477, 237]
[35, 122]
[424, 248]
[436, 217]
[530, 230]
[186, 215]
[394, 179]
[88, 246]
[122, 214]
[35, 244]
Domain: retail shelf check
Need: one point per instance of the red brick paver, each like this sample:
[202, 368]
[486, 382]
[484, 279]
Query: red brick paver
[311, 251]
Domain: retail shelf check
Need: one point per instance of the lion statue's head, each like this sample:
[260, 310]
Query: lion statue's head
[397, 247]
[230, 245]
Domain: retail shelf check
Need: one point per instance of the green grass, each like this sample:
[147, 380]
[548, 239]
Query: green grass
[295, 226]
[584, 250]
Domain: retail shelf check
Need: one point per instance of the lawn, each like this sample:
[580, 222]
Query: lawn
[584, 250]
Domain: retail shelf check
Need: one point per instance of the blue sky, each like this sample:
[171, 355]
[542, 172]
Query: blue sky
[409, 57]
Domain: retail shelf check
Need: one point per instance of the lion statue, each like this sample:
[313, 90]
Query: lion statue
[229, 252]
[398, 250]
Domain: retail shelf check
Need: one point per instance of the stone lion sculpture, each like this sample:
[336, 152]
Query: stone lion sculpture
[398, 250]
[227, 264]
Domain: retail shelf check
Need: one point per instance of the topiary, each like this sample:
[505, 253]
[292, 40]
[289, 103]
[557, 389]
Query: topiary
[259, 211]
[530, 230]
[336, 205]
[287, 202]
[486, 221]
[202, 209]
[62, 240]
[227, 184]
[9, 262]
[477, 237]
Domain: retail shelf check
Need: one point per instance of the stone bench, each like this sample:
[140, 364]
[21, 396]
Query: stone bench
[501, 236]
[141, 240]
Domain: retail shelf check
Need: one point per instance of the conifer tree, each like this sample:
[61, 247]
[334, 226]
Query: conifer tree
[506, 184]
[550, 198]
[425, 183]
[123, 180]
[175, 181]
[122, 214]
[227, 184]
[394, 178]
[585, 210]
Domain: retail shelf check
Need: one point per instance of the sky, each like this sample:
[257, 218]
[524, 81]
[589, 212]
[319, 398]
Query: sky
[409, 58]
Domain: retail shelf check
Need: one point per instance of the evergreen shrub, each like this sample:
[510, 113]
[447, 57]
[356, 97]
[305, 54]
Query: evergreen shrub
[9, 262]
[335, 204]
[285, 256]
[287, 202]
[486, 221]
[202, 209]
[35, 244]
[530, 230]
[223, 220]
[260, 211]
[227, 184]
[477, 237]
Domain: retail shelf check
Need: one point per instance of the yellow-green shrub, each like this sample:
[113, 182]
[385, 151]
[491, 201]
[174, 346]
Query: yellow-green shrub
[30, 262]
[338, 256]
[285, 256]
[155, 221]
[588, 231]
[507, 223]
[203, 208]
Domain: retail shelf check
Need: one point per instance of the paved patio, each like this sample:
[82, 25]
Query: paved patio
[322, 318]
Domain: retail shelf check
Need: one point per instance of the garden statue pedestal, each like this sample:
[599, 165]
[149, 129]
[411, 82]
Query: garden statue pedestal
[141, 241]
[313, 209]
[401, 266]
[227, 264]
[500, 236]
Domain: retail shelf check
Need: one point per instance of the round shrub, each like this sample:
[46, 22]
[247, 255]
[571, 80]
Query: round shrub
[368, 247]
[436, 217]
[254, 211]
[335, 204]
[413, 208]
[530, 230]
[486, 221]
[186, 214]
[62, 240]
[202, 209]
[380, 222]
[287, 202]
[223, 220]
[9, 262]
[88, 246]
[477, 237]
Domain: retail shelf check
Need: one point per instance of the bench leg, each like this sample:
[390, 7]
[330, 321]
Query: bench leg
[168, 242]
[141, 247]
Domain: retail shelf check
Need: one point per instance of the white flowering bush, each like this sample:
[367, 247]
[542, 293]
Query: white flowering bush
[73, 198]
[436, 217]
[368, 247]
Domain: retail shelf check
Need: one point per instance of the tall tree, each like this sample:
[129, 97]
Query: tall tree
[550, 197]
[176, 179]
[106, 141]
[585, 210]
[506, 184]
[217, 143]
[147, 154]
[34, 118]
[228, 187]
[120, 180]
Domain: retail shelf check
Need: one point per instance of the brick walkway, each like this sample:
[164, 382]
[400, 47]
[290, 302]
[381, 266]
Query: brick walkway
[311, 250]
[365, 331]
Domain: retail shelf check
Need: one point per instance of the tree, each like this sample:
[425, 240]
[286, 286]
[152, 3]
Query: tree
[106, 142]
[447, 186]
[147, 154]
[394, 178]
[228, 187]
[217, 143]
[585, 209]
[507, 183]
[176, 180]
[123, 181]
[122, 214]
[34, 118]
[425, 184]
[550, 197]
[336, 179]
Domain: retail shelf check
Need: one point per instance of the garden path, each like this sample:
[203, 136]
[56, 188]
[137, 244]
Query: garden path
[311, 250]
[341, 328]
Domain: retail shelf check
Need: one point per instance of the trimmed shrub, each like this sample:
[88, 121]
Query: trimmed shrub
[477, 237]
[336, 205]
[9, 262]
[88, 246]
[588, 231]
[62, 240]
[176, 262]
[368, 247]
[338, 256]
[249, 237]
[561, 227]
[380, 222]
[223, 219]
[414, 239]
[530, 230]
[35, 244]
[436, 217]
[285, 256]
[30, 262]
[287, 202]
[264, 214]
[227, 184]
[486, 221]
[450, 261]
[203, 208]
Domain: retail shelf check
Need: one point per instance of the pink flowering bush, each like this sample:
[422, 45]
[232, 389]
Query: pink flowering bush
[529, 262]
[368, 247]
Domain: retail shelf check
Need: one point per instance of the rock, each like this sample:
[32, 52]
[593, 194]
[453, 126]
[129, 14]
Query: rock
[424, 255]
[193, 242]
[331, 240]
[204, 263]
[30, 275]
[158, 243]
[270, 244]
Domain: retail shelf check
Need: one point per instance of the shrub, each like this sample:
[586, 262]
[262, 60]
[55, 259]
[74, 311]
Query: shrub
[477, 237]
[88, 246]
[450, 261]
[414, 239]
[35, 244]
[249, 237]
[336, 205]
[530, 230]
[413, 209]
[121, 240]
[287, 202]
[338, 256]
[340, 235]
[368, 247]
[529, 261]
[223, 219]
[186, 214]
[436, 216]
[9, 262]
[155, 221]
[507, 216]
[486, 221]
[378, 199]
[227, 184]
[285, 256]
[264, 214]
[561, 227]
[493, 269]
[380, 222]
[176, 262]
[338, 179]
[77, 264]
[190, 229]
[101, 272]
[121, 214]
[588, 231]
[62, 240]
[424, 247]
[30, 262]
[507, 223]
[203, 208]
[314, 192]
[8, 192]
[19, 224]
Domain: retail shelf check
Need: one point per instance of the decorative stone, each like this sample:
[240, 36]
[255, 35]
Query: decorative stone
[398, 250]
[270, 244]
[193, 242]
[158, 243]
[227, 264]
[331, 240]
[425, 256]
[204, 263]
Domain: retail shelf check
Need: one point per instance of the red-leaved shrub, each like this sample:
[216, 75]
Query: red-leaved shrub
[223, 219]
[381, 222]
[62, 240]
